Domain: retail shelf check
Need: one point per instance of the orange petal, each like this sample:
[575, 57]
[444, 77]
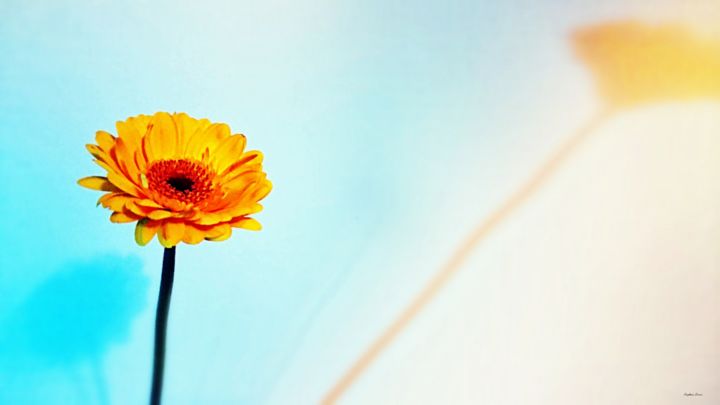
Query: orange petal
[248, 161]
[126, 161]
[124, 184]
[97, 183]
[103, 165]
[186, 127]
[228, 152]
[148, 203]
[204, 218]
[171, 233]
[206, 140]
[141, 123]
[161, 140]
[104, 140]
[238, 196]
[261, 191]
[193, 235]
[132, 205]
[257, 191]
[243, 181]
[129, 133]
[123, 217]
[246, 223]
[244, 209]
[104, 197]
[147, 150]
[190, 133]
[145, 230]
[140, 161]
[159, 214]
[144, 126]
[115, 201]
[101, 156]
[219, 233]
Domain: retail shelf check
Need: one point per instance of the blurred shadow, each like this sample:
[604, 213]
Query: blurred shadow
[66, 325]
[635, 63]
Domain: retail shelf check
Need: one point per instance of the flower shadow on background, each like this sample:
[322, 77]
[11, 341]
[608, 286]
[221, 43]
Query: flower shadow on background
[633, 64]
[56, 339]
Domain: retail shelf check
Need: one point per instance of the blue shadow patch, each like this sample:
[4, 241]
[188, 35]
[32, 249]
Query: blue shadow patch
[67, 324]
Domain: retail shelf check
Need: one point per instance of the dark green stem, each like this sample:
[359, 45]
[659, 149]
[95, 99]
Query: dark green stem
[161, 317]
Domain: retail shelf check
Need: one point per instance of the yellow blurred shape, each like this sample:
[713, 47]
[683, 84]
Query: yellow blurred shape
[635, 63]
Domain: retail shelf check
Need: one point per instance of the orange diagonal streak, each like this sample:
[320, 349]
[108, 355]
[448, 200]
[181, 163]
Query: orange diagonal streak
[489, 224]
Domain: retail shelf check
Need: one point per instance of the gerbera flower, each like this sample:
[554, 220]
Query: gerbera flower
[181, 178]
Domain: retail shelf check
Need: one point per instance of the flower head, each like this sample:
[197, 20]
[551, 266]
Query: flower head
[181, 178]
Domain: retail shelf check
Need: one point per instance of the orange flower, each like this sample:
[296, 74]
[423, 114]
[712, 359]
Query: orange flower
[185, 179]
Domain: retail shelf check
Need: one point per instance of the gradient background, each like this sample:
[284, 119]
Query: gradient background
[390, 130]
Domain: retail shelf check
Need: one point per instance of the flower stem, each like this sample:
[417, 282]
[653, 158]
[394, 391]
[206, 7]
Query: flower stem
[161, 317]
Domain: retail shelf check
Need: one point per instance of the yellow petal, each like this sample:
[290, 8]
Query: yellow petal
[219, 233]
[132, 132]
[236, 207]
[228, 152]
[141, 123]
[124, 184]
[240, 195]
[145, 231]
[104, 197]
[148, 203]
[104, 165]
[123, 217]
[190, 135]
[129, 133]
[206, 140]
[204, 218]
[147, 150]
[261, 191]
[102, 156]
[243, 181]
[126, 161]
[250, 160]
[132, 206]
[193, 235]
[242, 210]
[140, 161]
[186, 127]
[161, 141]
[183, 124]
[257, 191]
[246, 223]
[115, 201]
[171, 233]
[96, 151]
[159, 214]
[104, 140]
[97, 183]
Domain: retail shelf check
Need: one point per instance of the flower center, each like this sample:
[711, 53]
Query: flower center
[180, 183]
[175, 181]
